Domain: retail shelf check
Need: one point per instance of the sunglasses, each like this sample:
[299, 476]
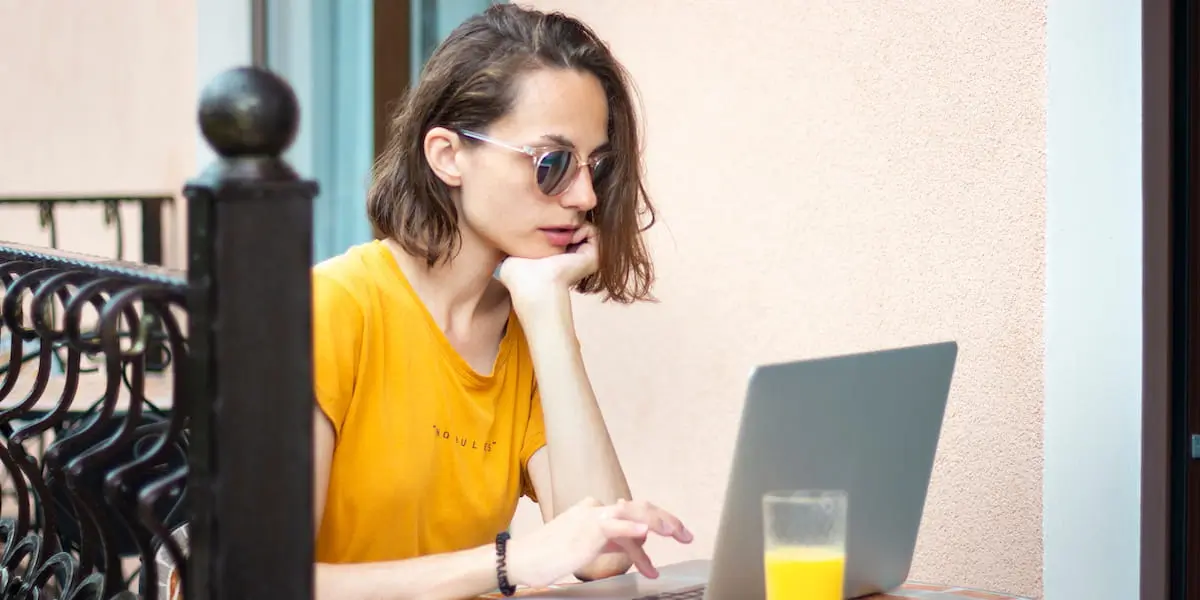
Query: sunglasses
[555, 167]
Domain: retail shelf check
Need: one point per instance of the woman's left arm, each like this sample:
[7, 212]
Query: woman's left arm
[582, 462]
[578, 460]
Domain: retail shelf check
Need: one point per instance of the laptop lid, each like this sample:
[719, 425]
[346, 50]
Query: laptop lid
[866, 423]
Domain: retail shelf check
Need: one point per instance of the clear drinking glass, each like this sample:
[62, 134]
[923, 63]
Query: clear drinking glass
[804, 544]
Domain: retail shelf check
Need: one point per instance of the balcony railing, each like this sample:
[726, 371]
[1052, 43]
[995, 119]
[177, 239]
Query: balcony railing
[150, 209]
[135, 475]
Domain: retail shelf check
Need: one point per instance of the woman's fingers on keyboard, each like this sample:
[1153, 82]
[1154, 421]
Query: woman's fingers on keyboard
[641, 560]
[658, 520]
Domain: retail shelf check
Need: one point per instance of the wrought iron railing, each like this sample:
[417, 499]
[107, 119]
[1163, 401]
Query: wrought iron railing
[195, 478]
[150, 214]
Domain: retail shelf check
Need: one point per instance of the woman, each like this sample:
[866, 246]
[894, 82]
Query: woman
[512, 176]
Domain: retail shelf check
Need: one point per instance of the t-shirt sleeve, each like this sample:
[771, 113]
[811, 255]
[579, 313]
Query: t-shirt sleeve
[337, 320]
[535, 439]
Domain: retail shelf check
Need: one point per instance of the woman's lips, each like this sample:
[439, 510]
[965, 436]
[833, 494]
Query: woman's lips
[559, 236]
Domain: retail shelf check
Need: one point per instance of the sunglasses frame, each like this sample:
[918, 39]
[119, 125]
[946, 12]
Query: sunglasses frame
[539, 153]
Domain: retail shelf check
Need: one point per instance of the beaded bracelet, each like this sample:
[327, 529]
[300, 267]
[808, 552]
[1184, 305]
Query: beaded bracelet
[506, 588]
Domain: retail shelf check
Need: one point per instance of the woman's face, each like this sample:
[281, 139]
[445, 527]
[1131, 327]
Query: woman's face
[499, 201]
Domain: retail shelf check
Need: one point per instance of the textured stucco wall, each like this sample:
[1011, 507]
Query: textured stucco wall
[837, 176]
[99, 98]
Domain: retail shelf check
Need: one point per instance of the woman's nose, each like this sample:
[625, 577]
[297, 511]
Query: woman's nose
[580, 195]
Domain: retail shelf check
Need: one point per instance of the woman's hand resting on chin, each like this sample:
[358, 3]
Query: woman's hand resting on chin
[578, 536]
[536, 279]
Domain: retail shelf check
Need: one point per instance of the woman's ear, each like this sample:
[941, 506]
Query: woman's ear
[441, 152]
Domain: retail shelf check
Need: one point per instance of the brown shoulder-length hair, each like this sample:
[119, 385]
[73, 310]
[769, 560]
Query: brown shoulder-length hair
[470, 82]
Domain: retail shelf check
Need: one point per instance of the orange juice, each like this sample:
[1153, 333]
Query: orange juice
[804, 573]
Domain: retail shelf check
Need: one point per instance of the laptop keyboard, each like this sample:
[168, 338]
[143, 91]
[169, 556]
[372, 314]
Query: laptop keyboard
[692, 593]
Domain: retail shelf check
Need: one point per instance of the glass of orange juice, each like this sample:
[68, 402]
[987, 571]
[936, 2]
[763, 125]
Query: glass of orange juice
[804, 544]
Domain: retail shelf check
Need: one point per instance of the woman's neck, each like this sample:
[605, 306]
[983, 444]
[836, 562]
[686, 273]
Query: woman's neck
[456, 291]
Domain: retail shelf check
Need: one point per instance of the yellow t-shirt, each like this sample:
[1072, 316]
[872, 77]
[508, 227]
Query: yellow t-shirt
[431, 456]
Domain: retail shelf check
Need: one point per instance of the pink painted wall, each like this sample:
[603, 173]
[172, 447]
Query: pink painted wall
[99, 99]
[833, 177]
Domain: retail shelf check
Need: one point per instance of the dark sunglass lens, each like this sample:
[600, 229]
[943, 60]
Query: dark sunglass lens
[601, 169]
[552, 170]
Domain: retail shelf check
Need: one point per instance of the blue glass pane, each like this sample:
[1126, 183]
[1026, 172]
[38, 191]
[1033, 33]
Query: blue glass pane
[324, 48]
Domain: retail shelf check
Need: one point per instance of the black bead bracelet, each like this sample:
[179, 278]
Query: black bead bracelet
[506, 588]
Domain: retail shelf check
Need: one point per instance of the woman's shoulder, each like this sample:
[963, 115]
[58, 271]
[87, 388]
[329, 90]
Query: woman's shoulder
[351, 275]
[364, 281]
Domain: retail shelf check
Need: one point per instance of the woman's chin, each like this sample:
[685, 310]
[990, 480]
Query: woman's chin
[535, 251]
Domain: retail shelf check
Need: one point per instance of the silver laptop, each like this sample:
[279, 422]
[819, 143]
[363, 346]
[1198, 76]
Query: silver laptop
[866, 423]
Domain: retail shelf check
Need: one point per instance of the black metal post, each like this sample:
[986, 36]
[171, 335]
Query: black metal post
[152, 230]
[152, 254]
[249, 255]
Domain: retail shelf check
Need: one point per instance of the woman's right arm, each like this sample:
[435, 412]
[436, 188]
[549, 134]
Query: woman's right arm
[573, 539]
[453, 575]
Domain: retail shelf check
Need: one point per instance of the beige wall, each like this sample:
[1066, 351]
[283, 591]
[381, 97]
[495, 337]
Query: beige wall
[99, 99]
[838, 176]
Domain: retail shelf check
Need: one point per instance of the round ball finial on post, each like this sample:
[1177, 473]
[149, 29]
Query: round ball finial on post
[249, 112]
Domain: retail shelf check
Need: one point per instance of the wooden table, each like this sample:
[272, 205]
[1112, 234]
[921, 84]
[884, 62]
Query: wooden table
[945, 592]
[909, 591]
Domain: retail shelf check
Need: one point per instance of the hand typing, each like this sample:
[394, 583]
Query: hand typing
[585, 531]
